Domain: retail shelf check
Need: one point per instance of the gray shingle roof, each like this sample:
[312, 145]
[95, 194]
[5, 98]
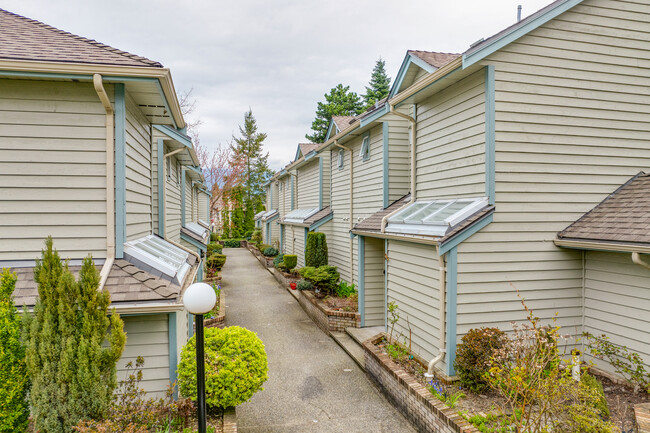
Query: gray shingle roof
[624, 216]
[373, 222]
[305, 148]
[435, 59]
[342, 122]
[318, 216]
[22, 38]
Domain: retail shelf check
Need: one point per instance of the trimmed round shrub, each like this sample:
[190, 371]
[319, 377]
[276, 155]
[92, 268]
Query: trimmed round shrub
[213, 248]
[270, 252]
[316, 250]
[235, 366]
[304, 285]
[290, 261]
[322, 277]
[473, 355]
[277, 260]
[216, 261]
[231, 243]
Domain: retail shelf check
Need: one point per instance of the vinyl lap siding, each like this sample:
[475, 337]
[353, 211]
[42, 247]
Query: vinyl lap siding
[52, 169]
[339, 240]
[399, 162]
[367, 194]
[450, 155]
[173, 203]
[147, 336]
[617, 301]
[413, 274]
[189, 217]
[374, 282]
[204, 203]
[571, 127]
[327, 178]
[308, 185]
[138, 173]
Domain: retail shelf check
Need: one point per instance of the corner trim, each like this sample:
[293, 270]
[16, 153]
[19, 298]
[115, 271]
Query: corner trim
[362, 279]
[385, 162]
[173, 349]
[320, 183]
[490, 134]
[452, 292]
[465, 234]
[182, 182]
[120, 170]
[161, 187]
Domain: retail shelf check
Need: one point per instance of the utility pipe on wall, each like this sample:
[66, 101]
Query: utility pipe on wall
[636, 258]
[110, 179]
[412, 121]
[351, 222]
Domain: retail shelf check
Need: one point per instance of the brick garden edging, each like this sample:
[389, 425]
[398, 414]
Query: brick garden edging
[327, 320]
[283, 279]
[413, 400]
[230, 420]
[220, 320]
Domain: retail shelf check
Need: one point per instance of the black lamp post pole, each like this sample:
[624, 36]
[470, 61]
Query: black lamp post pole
[200, 373]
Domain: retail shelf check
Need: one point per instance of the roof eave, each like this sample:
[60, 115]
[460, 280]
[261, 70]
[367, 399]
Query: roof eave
[599, 245]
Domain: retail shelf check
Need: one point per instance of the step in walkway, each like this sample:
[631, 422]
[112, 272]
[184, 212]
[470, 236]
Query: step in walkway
[352, 339]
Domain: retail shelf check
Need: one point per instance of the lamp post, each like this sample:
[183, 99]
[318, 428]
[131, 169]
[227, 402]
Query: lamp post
[200, 298]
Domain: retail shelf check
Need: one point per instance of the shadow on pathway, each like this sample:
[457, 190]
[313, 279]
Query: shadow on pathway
[313, 385]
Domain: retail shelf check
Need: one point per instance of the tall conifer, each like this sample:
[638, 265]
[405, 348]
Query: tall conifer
[379, 85]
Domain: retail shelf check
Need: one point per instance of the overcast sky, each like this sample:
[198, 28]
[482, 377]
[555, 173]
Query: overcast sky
[278, 57]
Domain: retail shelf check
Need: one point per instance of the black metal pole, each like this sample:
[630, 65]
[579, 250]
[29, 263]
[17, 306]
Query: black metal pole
[200, 373]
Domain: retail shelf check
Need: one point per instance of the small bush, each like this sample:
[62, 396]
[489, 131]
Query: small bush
[277, 260]
[270, 252]
[304, 285]
[323, 277]
[214, 237]
[213, 248]
[316, 250]
[590, 382]
[344, 290]
[231, 243]
[256, 238]
[473, 356]
[235, 366]
[290, 261]
[216, 261]
[262, 247]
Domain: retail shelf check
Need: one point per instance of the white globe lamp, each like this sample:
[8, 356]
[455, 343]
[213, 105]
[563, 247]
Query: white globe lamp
[199, 298]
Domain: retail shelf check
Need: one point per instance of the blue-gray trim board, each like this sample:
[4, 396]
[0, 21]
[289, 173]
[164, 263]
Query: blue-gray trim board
[314, 227]
[385, 163]
[161, 187]
[173, 347]
[452, 291]
[320, 182]
[465, 234]
[175, 135]
[362, 280]
[120, 170]
[182, 183]
[490, 134]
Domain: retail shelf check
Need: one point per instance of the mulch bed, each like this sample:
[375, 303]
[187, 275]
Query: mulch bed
[341, 304]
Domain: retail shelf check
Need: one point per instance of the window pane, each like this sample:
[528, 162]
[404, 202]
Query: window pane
[410, 210]
[442, 214]
[422, 213]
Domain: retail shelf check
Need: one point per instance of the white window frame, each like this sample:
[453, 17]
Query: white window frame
[161, 255]
[341, 159]
[364, 152]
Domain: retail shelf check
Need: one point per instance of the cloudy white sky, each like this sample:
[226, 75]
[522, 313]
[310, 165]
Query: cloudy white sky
[277, 57]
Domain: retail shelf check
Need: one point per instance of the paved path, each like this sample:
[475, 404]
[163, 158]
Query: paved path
[313, 385]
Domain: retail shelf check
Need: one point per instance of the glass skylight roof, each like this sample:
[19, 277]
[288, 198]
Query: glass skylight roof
[435, 217]
[160, 255]
[259, 215]
[269, 213]
[300, 215]
[197, 229]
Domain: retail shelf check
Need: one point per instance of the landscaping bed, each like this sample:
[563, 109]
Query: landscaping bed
[217, 317]
[326, 318]
[284, 278]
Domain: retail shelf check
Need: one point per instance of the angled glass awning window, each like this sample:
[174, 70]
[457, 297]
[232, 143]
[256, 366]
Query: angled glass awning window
[268, 214]
[197, 229]
[160, 255]
[259, 215]
[300, 215]
[435, 217]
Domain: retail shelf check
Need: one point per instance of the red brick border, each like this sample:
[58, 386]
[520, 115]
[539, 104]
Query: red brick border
[327, 320]
[220, 320]
[413, 400]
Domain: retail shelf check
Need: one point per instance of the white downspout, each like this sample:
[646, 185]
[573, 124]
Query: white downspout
[412, 120]
[351, 216]
[443, 319]
[110, 180]
[636, 258]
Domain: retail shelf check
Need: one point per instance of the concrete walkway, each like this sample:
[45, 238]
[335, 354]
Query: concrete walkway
[313, 385]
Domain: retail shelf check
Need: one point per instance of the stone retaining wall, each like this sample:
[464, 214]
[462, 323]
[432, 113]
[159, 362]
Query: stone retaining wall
[326, 319]
[413, 400]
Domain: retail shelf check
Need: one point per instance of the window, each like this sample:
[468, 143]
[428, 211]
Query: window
[160, 255]
[365, 148]
[300, 215]
[434, 218]
[178, 174]
[197, 229]
[341, 159]
[169, 168]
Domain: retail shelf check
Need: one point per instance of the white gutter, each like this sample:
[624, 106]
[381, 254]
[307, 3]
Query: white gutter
[384, 220]
[636, 258]
[110, 180]
[351, 217]
[443, 318]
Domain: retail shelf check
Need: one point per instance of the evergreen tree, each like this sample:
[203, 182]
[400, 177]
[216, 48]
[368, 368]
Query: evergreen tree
[237, 227]
[379, 85]
[248, 149]
[225, 215]
[73, 373]
[14, 382]
[339, 102]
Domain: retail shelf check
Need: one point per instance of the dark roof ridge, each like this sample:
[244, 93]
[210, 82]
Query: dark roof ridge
[93, 42]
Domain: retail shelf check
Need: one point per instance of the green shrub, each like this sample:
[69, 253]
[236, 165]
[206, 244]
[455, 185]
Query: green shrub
[216, 261]
[14, 383]
[214, 237]
[73, 345]
[473, 356]
[256, 238]
[277, 260]
[290, 261]
[231, 243]
[316, 250]
[344, 290]
[262, 247]
[322, 277]
[270, 252]
[213, 248]
[304, 285]
[235, 366]
[594, 384]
